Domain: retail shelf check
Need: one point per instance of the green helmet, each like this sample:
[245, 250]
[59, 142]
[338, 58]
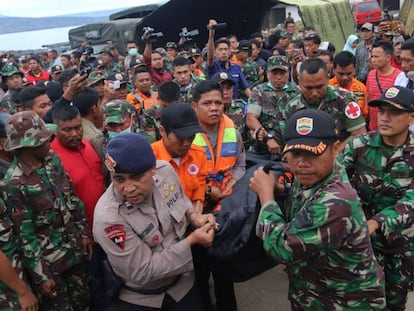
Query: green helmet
[27, 129]
[118, 111]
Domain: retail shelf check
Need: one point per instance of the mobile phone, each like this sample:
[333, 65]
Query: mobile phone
[85, 71]
[116, 84]
[323, 46]
[296, 51]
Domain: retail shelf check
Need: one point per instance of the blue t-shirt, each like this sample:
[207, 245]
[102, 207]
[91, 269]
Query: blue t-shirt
[235, 73]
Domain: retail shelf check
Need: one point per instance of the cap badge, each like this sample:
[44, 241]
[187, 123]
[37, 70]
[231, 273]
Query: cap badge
[110, 163]
[392, 92]
[304, 126]
[223, 75]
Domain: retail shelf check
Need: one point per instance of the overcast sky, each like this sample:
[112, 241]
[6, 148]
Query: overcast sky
[41, 8]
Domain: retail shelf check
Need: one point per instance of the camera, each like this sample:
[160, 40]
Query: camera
[85, 71]
[186, 36]
[150, 34]
[218, 26]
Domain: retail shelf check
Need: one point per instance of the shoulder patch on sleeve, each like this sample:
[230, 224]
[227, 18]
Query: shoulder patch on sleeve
[116, 233]
[352, 110]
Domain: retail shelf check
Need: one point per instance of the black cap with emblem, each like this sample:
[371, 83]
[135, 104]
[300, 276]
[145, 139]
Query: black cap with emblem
[310, 130]
[399, 97]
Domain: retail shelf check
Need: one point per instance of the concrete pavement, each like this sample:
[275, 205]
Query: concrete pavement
[268, 292]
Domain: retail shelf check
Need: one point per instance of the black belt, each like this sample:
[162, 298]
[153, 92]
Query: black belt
[155, 291]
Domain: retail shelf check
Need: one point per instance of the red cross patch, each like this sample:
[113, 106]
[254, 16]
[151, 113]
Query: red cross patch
[352, 110]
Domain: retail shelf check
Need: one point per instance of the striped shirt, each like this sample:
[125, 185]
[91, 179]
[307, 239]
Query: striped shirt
[375, 90]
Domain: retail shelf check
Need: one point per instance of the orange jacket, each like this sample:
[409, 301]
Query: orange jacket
[359, 90]
[192, 169]
[235, 60]
[220, 165]
[140, 101]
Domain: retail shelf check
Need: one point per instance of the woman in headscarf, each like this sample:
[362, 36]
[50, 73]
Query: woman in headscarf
[351, 44]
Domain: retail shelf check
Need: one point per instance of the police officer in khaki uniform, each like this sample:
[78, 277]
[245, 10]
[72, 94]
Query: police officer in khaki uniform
[141, 221]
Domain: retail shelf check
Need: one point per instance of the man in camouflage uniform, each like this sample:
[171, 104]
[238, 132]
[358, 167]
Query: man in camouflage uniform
[235, 109]
[249, 67]
[106, 64]
[321, 233]
[12, 78]
[49, 218]
[184, 78]
[14, 293]
[380, 166]
[266, 110]
[172, 52]
[315, 93]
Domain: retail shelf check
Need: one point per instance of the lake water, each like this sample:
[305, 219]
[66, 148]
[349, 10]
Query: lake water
[34, 39]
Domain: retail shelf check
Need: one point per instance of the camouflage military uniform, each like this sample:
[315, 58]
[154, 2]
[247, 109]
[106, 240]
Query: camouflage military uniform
[168, 65]
[383, 177]
[322, 237]
[237, 112]
[270, 108]
[149, 124]
[6, 105]
[49, 218]
[251, 72]
[8, 244]
[186, 92]
[339, 103]
[111, 68]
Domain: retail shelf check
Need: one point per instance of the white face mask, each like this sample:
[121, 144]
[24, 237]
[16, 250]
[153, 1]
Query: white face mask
[133, 52]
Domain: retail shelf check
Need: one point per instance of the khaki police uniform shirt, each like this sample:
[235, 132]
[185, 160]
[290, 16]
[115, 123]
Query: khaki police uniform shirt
[145, 243]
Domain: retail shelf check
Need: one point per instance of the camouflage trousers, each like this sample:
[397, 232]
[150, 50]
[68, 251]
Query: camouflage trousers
[72, 291]
[399, 275]
[8, 299]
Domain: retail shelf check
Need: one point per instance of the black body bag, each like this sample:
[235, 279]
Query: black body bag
[236, 248]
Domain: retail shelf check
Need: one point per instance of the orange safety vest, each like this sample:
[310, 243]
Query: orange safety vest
[192, 170]
[359, 90]
[142, 102]
[220, 165]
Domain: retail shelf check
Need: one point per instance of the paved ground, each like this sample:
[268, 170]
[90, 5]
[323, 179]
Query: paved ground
[268, 292]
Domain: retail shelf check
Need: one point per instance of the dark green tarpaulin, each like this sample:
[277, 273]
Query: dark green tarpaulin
[332, 19]
[243, 17]
[407, 15]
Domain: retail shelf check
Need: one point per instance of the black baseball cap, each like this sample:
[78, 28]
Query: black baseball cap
[244, 45]
[397, 96]
[221, 77]
[310, 130]
[56, 68]
[181, 119]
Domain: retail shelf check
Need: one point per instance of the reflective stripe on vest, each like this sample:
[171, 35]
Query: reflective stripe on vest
[220, 167]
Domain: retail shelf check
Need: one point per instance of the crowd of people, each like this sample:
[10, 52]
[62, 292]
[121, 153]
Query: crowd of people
[126, 159]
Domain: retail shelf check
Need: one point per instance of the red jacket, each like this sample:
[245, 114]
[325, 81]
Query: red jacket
[33, 79]
[84, 167]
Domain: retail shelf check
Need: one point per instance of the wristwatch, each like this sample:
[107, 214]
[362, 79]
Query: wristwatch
[267, 137]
